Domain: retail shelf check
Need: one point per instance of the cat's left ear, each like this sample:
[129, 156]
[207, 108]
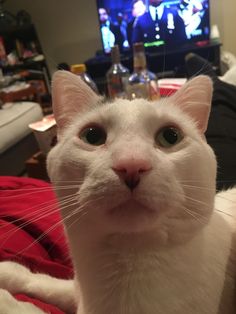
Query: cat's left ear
[195, 98]
[71, 96]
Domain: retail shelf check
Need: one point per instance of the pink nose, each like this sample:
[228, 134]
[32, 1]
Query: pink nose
[130, 170]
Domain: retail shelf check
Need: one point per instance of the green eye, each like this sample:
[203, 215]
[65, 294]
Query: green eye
[94, 135]
[168, 137]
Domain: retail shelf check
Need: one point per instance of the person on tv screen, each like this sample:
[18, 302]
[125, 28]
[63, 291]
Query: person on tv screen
[138, 9]
[108, 36]
[111, 32]
[192, 12]
[122, 24]
[158, 26]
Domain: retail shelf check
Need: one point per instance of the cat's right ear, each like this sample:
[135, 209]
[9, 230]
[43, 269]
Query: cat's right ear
[194, 98]
[70, 96]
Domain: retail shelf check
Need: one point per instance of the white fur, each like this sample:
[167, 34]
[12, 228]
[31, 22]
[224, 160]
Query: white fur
[9, 305]
[160, 249]
[16, 279]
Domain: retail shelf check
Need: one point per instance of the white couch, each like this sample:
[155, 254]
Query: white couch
[17, 142]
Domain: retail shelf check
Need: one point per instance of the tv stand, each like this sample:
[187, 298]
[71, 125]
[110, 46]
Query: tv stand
[165, 63]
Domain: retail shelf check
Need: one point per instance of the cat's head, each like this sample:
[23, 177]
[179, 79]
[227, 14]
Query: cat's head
[133, 166]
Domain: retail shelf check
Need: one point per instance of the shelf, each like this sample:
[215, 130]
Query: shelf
[24, 65]
[23, 41]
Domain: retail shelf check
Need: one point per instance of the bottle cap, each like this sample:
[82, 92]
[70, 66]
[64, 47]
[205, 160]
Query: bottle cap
[138, 47]
[115, 54]
[139, 56]
[78, 68]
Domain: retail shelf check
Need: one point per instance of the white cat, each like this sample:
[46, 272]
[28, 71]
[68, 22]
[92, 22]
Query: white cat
[147, 234]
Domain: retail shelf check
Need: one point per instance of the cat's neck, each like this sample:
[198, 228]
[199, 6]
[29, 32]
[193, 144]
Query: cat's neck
[116, 280]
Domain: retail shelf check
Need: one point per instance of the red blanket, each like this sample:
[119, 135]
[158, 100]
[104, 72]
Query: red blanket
[31, 232]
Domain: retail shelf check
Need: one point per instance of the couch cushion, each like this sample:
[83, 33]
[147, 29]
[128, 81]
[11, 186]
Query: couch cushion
[14, 121]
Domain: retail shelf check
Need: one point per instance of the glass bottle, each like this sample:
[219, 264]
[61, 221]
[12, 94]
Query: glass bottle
[80, 69]
[142, 83]
[117, 76]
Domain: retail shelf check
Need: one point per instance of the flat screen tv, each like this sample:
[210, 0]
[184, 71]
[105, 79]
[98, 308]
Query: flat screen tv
[156, 23]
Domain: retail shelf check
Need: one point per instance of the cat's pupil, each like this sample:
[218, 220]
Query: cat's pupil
[170, 135]
[93, 136]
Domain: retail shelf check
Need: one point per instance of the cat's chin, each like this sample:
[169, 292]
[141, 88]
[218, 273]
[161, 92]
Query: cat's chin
[133, 215]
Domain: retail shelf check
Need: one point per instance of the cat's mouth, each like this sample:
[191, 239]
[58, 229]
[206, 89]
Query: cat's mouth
[131, 208]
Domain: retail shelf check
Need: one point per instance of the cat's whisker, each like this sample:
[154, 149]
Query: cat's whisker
[201, 219]
[226, 214]
[198, 187]
[89, 202]
[214, 208]
[164, 61]
[200, 202]
[75, 211]
[165, 100]
[67, 181]
[43, 235]
[50, 187]
[200, 181]
[29, 192]
[39, 208]
[77, 220]
[40, 238]
[205, 203]
[227, 199]
[204, 66]
[81, 208]
[10, 233]
[40, 205]
[43, 214]
[201, 70]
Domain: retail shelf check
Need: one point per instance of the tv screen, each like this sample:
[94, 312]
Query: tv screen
[156, 23]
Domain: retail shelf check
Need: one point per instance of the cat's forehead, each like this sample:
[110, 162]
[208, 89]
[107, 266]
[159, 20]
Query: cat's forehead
[138, 112]
[133, 116]
[129, 111]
